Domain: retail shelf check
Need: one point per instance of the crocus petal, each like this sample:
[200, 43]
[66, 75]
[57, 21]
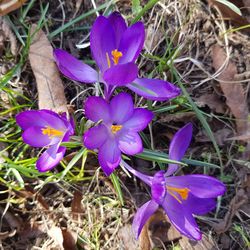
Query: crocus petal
[130, 143]
[139, 120]
[201, 186]
[121, 108]
[73, 68]
[69, 123]
[119, 26]
[96, 109]
[30, 118]
[35, 138]
[158, 188]
[199, 206]
[179, 145]
[181, 218]
[132, 42]
[50, 158]
[142, 215]
[95, 137]
[154, 89]
[145, 178]
[102, 41]
[121, 74]
[109, 156]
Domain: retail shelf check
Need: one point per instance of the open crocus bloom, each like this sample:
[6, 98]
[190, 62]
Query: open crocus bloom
[115, 47]
[44, 128]
[118, 131]
[180, 196]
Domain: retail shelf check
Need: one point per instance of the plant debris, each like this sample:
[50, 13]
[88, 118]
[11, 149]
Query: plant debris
[49, 84]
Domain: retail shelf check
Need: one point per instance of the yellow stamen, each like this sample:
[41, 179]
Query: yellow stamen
[183, 192]
[116, 56]
[51, 132]
[108, 60]
[116, 128]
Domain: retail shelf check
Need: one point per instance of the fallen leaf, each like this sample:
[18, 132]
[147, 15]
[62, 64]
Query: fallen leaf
[6, 34]
[69, 240]
[212, 101]
[13, 221]
[76, 205]
[184, 116]
[239, 199]
[206, 243]
[157, 231]
[229, 14]
[56, 234]
[63, 238]
[127, 238]
[233, 92]
[49, 84]
[6, 6]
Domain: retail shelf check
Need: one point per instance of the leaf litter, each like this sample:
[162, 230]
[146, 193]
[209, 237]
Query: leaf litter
[49, 84]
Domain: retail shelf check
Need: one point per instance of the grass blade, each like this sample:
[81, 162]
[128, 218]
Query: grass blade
[117, 187]
[201, 117]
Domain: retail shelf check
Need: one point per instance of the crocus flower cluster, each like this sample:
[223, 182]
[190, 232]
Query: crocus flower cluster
[179, 196]
[44, 128]
[116, 124]
[115, 48]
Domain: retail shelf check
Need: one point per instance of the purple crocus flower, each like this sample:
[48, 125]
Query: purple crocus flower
[115, 47]
[118, 131]
[179, 196]
[45, 128]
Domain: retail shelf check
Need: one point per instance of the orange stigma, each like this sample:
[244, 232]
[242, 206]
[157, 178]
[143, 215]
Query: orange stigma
[51, 132]
[116, 56]
[182, 192]
[116, 128]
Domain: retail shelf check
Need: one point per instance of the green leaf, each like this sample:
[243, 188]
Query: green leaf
[150, 4]
[230, 6]
[73, 162]
[79, 18]
[117, 187]
[150, 155]
[136, 6]
[201, 117]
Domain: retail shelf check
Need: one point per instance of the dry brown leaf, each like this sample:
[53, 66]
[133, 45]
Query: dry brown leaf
[239, 199]
[69, 240]
[158, 230]
[6, 6]
[49, 84]
[212, 101]
[56, 234]
[184, 116]
[204, 244]
[12, 220]
[127, 238]
[229, 14]
[7, 34]
[63, 238]
[76, 205]
[233, 92]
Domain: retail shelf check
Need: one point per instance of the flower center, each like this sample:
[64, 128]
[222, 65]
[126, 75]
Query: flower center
[51, 132]
[116, 128]
[182, 192]
[116, 54]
